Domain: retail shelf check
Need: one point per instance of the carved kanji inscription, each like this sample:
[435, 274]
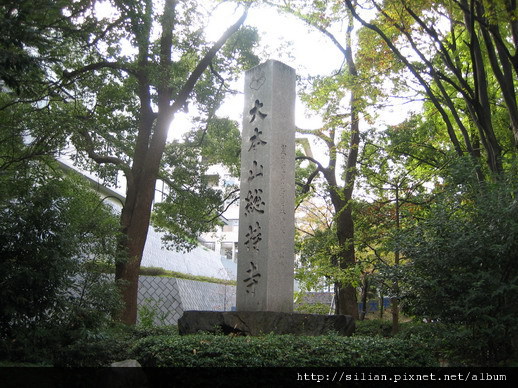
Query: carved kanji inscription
[256, 112]
[255, 139]
[254, 202]
[253, 237]
[256, 171]
[252, 279]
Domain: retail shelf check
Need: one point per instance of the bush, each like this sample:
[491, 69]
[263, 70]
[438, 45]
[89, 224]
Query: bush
[205, 350]
[462, 265]
[375, 327]
[93, 349]
[313, 308]
[50, 296]
[103, 347]
[452, 344]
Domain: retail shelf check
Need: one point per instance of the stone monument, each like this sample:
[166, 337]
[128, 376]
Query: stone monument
[267, 195]
[264, 297]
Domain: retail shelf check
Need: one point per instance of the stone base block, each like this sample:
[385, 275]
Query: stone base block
[264, 322]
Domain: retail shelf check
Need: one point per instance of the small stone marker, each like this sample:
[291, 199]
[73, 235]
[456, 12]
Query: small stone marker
[266, 215]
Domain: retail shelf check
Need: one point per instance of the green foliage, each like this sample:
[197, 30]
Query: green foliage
[48, 235]
[280, 350]
[240, 47]
[36, 256]
[82, 77]
[29, 41]
[150, 314]
[220, 144]
[191, 206]
[373, 328]
[316, 258]
[313, 308]
[451, 344]
[463, 262]
[104, 346]
[93, 349]
[139, 332]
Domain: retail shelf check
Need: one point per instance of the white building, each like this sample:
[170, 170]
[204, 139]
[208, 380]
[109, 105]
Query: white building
[224, 239]
[201, 261]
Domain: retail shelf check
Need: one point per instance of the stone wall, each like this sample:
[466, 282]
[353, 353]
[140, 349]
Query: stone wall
[167, 298]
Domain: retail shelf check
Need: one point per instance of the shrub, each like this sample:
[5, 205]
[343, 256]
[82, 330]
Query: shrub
[150, 314]
[93, 349]
[375, 327]
[313, 308]
[205, 350]
[50, 296]
[462, 265]
[452, 344]
[102, 347]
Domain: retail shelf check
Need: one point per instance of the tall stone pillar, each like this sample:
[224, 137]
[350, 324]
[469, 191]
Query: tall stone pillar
[266, 218]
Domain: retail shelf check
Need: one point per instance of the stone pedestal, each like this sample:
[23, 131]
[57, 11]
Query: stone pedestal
[264, 322]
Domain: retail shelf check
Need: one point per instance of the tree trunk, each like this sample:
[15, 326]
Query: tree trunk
[135, 218]
[365, 293]
[150, 145]
[480, 106]
[395, 299]
[347, 302]
[382, 304]
[394, 304]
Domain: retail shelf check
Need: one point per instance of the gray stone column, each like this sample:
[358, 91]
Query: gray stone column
[266, 218]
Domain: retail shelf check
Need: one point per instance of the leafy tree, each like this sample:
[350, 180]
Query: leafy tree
[397, 167]
[462, 262]
[316, 244]
[32, 42]
[466, 67]
[115, 86]
[51, 230]
[192, 205]
[340, 135]
[135, 99]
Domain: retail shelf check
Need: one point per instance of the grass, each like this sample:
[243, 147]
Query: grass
[157, 271]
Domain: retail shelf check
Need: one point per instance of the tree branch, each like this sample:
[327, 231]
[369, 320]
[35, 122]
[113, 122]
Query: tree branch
[89, 148]
[312, 160]
[98, 66]
[204, 63]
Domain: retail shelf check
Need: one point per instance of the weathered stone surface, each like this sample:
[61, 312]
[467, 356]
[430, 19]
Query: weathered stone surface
[126, 364]
[266, 215]
[264, 322]
[127, 374]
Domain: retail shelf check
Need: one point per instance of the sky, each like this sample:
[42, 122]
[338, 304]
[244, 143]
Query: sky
[282, 37]
[285, 38]
[289, 40]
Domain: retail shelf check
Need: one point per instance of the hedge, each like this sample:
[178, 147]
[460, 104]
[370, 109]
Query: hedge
[206, 350]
